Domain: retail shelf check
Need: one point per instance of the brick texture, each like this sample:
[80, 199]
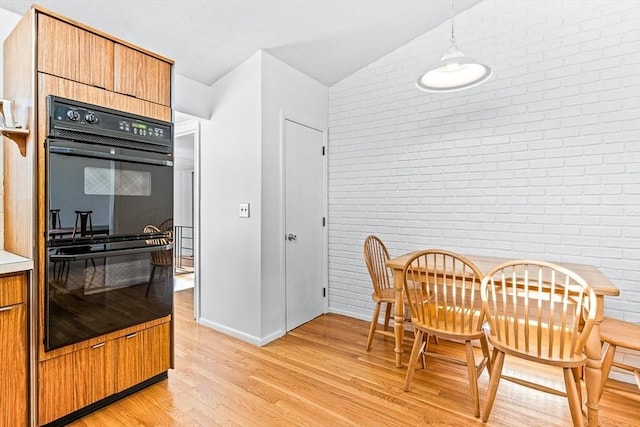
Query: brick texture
[542, 161]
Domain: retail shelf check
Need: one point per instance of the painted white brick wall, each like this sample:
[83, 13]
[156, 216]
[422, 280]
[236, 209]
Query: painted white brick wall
[543, 161]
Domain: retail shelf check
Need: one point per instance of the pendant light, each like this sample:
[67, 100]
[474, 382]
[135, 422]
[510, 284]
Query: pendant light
[454, 71]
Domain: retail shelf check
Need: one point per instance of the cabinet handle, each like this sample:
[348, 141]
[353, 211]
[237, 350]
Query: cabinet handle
[98, 345]
[131, 335]
[6, 308]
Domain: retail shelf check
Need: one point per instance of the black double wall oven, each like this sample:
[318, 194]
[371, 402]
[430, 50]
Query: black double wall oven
[109, 175]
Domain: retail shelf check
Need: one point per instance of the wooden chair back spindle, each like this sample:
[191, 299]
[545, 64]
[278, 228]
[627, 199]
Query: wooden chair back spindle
[376, 255]
[443, 292]
[543, 313]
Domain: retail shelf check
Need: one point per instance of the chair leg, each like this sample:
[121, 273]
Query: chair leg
[498, 363]
[374, 324]
[607, 361]
[424, 349]
[387, 316]
[86, 263]
[485, 352]
[66, 265]
[574, 400]
[473, 378]
[415, 351]
[577, 374]
[153, 270]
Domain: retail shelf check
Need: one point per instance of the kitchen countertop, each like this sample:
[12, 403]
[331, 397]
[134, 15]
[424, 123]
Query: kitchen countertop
[11, 263]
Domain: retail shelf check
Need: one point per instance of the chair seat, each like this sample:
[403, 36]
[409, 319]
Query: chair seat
[451, 323]
[387, 295]
[620, 333]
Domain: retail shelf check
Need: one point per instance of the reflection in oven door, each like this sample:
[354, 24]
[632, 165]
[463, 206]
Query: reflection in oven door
[109, 195]
[93, 291]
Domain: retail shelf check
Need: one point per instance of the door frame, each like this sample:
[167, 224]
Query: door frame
[192, 127]
[303, 121]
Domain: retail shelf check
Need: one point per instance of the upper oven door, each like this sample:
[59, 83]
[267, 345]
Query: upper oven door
[123, 190]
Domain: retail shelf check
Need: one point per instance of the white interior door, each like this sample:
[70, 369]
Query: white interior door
[303, 223]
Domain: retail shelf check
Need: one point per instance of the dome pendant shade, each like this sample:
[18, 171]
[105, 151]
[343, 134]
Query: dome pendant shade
[454, 72]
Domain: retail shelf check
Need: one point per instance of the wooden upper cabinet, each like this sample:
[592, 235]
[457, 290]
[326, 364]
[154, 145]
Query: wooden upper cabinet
[73, 53]
[70, 52]
[142, 76]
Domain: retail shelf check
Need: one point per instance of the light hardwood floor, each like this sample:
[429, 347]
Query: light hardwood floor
[320, 375]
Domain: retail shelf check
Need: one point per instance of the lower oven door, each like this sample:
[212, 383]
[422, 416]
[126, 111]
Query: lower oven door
[94, 289]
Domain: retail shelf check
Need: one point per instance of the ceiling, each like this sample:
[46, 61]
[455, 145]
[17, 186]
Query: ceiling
[326, 39]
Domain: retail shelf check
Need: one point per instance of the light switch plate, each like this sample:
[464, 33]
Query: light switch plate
[244, 210]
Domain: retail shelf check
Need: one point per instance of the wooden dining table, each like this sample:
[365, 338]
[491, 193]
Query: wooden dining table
[594, 277]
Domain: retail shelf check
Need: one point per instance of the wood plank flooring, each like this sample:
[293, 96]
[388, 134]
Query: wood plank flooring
[320, 375]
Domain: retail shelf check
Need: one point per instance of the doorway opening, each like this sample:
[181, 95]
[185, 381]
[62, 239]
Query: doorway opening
[186, 221]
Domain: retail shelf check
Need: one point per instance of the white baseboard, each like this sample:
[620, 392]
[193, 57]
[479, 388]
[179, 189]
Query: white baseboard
[361, 316]
[251, 339]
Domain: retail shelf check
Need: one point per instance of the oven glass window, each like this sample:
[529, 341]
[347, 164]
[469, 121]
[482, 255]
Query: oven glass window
[117, 182]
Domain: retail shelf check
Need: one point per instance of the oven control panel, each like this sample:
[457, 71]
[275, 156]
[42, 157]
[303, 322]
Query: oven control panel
[88, 119]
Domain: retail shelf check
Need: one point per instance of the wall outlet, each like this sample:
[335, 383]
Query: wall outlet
[244, 210]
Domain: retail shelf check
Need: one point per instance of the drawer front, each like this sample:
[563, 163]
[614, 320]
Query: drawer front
[12, 289]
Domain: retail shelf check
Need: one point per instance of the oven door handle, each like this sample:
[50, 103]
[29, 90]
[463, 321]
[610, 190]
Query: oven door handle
[108, 155]
[106, 254]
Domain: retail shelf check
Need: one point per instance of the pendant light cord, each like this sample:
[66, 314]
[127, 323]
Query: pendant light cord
[453, 35]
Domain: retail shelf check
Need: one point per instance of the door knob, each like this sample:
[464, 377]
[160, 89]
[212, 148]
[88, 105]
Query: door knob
[291, 237]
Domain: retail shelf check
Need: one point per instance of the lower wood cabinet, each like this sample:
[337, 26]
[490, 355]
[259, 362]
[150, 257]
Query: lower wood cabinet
[142, 355]
[13, 342]
[94, 379]
[56, 393]
[129, 360]
[75, 380]
[157, 355]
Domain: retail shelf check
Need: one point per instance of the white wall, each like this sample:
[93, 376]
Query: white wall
[192, 97]
[230, 174]
[541, 162]
[8, 21]
[241, 162]
[284, 90]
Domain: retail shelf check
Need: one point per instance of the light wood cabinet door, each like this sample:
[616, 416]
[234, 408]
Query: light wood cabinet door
[129, 367]
[13, 365]
[94, 375]
[157, 350]
[142, 76]
[56, 388]
[75, 54]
